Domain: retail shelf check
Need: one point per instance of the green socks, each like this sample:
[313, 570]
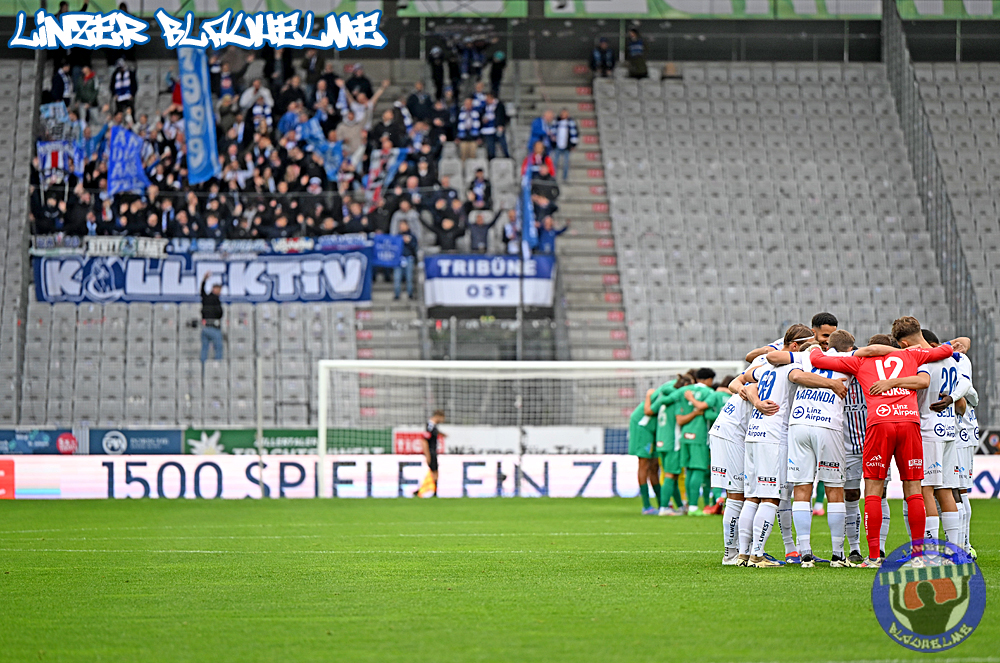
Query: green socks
[659, 499]
[694, 481]
[667, 490]
[644, 492]
[677, 495]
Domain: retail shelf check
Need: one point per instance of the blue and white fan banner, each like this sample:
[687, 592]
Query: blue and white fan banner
[125, 171]
[199, 117]
[477, 280]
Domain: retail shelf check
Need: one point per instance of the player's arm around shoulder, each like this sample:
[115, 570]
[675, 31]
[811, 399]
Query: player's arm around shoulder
[922, 380]
[843, 364]
[814, 380]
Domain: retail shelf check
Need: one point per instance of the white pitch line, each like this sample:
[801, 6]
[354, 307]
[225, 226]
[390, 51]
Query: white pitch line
[362, 552]
[172, 538]
[359, 536]
[903, 660]
[409, 523]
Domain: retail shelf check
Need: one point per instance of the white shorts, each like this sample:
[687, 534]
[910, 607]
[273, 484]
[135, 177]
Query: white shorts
[853, 471]
[766, 469]
[814, 451]
[968, 458]
[720, 461]
[933, 458]
[952, 466]
[736, 452]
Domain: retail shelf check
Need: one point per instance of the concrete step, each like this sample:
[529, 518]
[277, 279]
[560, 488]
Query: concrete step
[375, 335]
[593, 299]
[389, 353]
[585, 336]
[592, 264]
[589, 281]
[574, 209]
[578, 244]
[600, 354]
[590, 316]
[588, 228]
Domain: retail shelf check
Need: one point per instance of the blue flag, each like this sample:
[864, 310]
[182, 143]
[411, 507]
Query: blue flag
[332, 153]
[528, 230]
[125, 171]
[388, 250]
[199, 117]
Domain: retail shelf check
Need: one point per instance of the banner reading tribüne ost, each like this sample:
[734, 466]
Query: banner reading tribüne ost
[477, 280]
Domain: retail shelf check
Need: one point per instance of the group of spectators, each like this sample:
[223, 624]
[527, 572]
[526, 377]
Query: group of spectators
[603, 61]
[302, 152]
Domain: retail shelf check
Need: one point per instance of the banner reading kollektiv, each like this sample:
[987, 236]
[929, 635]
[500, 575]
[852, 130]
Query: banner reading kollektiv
[310, 276]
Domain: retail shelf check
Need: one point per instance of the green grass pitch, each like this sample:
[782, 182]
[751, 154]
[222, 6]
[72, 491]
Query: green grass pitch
[429, 580]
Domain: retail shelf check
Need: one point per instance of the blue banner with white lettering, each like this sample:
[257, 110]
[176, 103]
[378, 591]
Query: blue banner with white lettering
[334, 275]
[529, 232]
[123, 441]
[388, 250]
[477, 280]
[199, 117]
[125, 172]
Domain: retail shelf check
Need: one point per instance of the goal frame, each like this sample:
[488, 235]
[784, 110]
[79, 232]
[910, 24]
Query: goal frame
[546, 369]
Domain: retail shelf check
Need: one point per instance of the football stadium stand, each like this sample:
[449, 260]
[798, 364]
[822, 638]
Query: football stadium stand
[17, 110]
[716, 205]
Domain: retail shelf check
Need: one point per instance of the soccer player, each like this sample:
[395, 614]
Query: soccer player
[968, 439]
[937, 425]
[430, 442]
[663, 407]
[766, 461]
[641, 429]
[855, 413]
[893, 430]
[823, 324]
[816, 449]
[727, 444]
[694, 409]
[720, 396]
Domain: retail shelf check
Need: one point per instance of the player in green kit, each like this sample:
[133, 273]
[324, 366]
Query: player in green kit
[664, 404]
[641, 433]
[720, 396]
[693, 414]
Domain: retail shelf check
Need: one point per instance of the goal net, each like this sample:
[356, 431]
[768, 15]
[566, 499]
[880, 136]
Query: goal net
[369, 406]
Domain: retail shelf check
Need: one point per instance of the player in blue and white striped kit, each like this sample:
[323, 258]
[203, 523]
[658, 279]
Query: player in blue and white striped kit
[855, 416]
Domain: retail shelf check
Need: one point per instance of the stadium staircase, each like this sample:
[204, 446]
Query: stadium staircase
[963, 103]
[588, 261]
[18, 113]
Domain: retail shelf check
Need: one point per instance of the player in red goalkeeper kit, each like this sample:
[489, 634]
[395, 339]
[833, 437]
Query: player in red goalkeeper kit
[892, 428]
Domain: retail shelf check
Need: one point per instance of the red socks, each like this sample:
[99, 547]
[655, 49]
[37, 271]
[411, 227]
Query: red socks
[873, 524]
[917, 517]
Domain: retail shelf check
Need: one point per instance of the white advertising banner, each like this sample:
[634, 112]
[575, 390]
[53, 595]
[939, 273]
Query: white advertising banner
[356, 476]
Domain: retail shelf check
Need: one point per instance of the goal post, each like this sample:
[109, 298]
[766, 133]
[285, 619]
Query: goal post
[362, 402]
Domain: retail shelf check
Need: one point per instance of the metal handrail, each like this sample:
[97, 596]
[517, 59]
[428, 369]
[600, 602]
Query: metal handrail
[964, 307]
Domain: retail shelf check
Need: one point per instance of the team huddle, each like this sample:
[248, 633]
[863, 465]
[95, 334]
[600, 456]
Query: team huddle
[814, 407]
